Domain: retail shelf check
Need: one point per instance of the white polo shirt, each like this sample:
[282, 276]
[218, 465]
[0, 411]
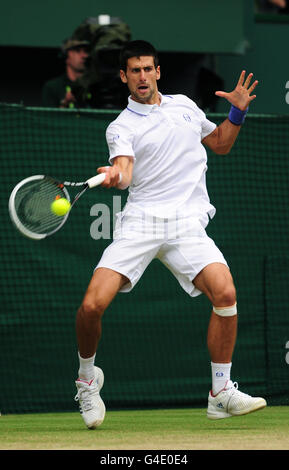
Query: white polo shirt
[170, 162]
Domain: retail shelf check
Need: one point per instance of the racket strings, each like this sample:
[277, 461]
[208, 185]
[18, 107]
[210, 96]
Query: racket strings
[33, 202]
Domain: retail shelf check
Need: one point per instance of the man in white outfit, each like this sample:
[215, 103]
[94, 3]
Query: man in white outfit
[156, 148]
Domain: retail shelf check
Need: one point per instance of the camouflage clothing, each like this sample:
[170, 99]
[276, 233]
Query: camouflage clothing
[100, 85]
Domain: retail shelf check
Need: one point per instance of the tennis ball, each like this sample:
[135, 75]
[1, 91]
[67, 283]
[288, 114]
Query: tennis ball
[60, 206]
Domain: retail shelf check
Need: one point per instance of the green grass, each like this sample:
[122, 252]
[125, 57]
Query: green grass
[173, 429]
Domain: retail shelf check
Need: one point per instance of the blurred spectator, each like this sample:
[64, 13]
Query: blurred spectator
[278, 3]
[272, 6]
[92, 78]
[106, 36]
[58, 91]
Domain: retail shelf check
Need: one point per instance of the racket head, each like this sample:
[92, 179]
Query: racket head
[29, 206]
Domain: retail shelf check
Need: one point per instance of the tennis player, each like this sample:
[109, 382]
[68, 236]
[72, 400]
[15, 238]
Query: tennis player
[157, 149]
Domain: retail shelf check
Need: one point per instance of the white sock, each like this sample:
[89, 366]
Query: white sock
[86, 368]
[220, 376]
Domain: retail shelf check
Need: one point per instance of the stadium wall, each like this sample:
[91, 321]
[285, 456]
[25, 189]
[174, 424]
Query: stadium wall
[153, 350]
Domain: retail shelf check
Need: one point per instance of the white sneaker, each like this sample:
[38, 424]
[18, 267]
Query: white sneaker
[231, 402]
[91, 405]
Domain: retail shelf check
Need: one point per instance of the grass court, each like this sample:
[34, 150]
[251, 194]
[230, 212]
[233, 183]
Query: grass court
[166, 429]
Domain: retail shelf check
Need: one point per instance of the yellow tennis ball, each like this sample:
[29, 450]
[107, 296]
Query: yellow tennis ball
[60, 206]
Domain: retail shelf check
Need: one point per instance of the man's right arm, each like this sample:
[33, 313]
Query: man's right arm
[119, 175]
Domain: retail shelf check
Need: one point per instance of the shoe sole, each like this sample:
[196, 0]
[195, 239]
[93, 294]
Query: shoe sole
[100, 380]
[95, 424]
[259, 406]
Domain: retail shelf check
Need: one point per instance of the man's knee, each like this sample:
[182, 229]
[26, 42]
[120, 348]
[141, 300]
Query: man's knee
[225, 297]
[224, 304]
[92, 308]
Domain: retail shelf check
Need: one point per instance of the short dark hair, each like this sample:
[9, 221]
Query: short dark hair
[136, 49]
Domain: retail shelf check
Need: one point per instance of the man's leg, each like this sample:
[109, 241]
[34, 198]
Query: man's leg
[225, 400]
[102, 289]
[216, 282]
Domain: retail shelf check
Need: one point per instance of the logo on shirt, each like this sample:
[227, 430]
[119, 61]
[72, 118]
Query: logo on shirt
[115, 137]
[187, 117]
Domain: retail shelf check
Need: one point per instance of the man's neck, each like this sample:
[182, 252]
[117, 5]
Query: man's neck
[156, 99]
[73, 74]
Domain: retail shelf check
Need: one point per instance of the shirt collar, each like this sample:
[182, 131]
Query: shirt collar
[144, 109]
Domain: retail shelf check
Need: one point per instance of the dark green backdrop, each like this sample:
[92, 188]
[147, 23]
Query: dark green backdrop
[153, 350]
[186, 26]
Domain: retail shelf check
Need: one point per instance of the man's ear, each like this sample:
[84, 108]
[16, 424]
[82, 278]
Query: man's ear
[158, 69]
[123, 76]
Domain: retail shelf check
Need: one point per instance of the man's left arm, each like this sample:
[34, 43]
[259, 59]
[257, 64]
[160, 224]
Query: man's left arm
[222, 139]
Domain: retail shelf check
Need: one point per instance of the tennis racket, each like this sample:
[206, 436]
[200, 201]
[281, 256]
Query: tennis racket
[31, 199]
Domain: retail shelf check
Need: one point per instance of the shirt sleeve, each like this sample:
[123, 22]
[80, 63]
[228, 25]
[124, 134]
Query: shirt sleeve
[119, 139]
[207, 126]
[49, 98]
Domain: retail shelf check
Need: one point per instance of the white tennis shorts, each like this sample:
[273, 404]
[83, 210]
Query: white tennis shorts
[182, 245]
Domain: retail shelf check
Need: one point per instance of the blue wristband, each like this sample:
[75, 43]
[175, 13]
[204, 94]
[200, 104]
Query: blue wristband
[236, 116]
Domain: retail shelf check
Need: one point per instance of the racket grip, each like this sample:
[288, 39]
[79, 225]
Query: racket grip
[96, 180]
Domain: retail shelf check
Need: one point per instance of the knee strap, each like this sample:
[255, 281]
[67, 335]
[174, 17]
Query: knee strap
[226, 311]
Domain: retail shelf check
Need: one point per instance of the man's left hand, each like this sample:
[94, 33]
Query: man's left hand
[241, 97]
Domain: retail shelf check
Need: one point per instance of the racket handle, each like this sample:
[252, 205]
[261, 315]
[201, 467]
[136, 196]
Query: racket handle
[96, 180]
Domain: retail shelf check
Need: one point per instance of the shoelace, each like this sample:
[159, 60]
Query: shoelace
[235, 385]
[234, 389]
[84, 397]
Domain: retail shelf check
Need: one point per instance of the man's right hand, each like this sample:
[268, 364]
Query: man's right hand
[119, 175]
[68, 99]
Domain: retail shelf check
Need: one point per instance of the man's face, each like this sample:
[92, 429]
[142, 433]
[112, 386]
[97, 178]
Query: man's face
[76, 58]
[141, 78]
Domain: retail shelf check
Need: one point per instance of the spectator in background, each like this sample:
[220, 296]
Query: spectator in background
[57, 92]
[272, 6]
[278, 3]
[92, 73]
